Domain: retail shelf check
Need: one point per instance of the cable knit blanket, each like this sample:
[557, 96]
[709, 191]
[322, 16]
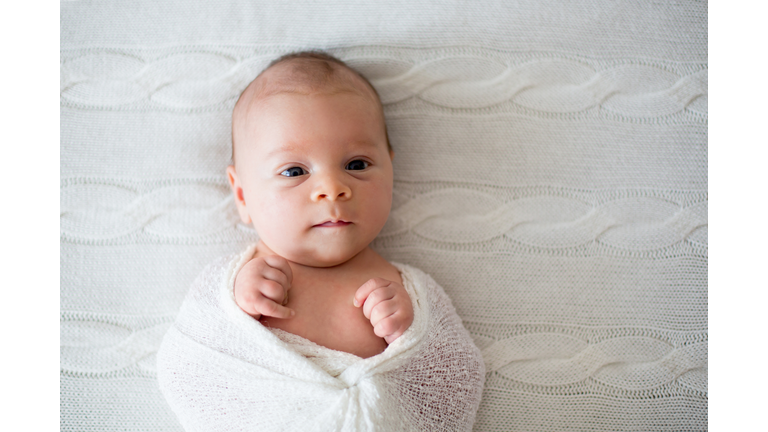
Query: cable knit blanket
[221, 370]
[550, 174]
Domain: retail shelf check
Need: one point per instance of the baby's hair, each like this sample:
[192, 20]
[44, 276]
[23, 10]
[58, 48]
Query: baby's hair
[317, 72]
[323, 71]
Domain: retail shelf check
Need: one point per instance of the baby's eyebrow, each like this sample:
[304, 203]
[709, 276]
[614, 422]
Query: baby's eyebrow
[280, 150]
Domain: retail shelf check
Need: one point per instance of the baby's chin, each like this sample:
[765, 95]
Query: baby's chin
[328, 259]
[328, 256]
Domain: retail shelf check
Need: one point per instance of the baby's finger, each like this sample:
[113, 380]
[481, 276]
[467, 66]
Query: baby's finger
[367, 288]
[248, 305]
[281, 264]
[388, 327]
[272, 291]
[375, 298]
[393, 337]
[383, 310]
[267, 307]
[273, 274]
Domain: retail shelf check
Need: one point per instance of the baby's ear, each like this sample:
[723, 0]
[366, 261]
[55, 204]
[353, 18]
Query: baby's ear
[237, 190]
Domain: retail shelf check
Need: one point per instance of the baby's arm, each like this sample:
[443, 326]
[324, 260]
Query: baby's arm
[387, 305]
[261, 287]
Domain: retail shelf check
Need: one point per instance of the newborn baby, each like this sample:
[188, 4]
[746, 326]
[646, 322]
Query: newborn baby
[313, 173]
[310, 328]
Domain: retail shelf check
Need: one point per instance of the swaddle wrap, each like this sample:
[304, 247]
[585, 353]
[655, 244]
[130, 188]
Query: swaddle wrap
[220, 370]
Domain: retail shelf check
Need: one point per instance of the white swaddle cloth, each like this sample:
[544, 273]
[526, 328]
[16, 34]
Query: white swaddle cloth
[221, 370]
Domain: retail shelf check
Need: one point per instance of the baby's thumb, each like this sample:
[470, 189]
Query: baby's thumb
[362, 293]
[272, 309]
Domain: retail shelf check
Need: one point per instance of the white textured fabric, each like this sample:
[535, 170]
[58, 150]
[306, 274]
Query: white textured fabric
[331, 361]
[221, 370]
[550, 173]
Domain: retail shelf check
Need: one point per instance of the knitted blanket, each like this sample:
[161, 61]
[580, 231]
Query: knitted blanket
[550, 173]
[221, 370]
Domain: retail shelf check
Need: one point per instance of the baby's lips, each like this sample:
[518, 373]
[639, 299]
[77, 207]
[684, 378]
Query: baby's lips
[331, 223]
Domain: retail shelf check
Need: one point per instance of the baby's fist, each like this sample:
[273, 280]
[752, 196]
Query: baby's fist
[387, 305]
[261, 287]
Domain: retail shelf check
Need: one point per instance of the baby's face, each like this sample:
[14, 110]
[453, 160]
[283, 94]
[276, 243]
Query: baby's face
[315, 174]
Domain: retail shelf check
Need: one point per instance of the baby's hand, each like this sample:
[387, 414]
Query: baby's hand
[261, 287]
[387, 305]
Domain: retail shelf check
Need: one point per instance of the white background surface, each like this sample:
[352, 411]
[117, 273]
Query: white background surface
[736, 161]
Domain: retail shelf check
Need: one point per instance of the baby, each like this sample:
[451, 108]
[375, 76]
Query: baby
[310, 329]
[313, 173]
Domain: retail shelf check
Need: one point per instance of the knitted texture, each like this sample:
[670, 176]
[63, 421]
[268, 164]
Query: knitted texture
[550, 174]
[221, 370]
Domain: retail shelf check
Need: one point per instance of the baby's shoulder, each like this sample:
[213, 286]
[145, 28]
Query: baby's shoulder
[388, 271]
[369, 264]
[413, 275]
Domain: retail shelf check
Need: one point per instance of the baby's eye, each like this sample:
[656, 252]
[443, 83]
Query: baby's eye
[293, 172]
[357, 165]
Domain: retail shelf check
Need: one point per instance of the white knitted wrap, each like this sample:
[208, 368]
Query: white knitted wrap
[221, 370]
[550, 174]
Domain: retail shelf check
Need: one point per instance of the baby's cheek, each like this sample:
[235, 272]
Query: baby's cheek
[380, 203]
[274, 207]
[272, 218]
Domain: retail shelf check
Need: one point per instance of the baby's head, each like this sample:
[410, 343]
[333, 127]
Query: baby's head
[312, 163]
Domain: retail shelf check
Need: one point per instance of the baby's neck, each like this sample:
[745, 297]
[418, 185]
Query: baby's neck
[322, 298]
[365, 258]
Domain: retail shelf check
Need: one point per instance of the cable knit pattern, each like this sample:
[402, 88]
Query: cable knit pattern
[550, 175]
[100, 212]
[190, 80]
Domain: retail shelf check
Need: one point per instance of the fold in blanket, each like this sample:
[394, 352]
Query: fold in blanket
[221, 370]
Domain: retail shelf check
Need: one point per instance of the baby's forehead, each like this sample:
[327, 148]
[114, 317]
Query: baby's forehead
[308, 76]
[297, 77]
[271, 96]
[300, 77]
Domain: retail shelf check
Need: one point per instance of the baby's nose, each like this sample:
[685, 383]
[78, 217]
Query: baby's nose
[331, 188]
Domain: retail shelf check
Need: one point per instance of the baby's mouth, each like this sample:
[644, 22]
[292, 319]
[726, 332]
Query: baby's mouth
[327, 224]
